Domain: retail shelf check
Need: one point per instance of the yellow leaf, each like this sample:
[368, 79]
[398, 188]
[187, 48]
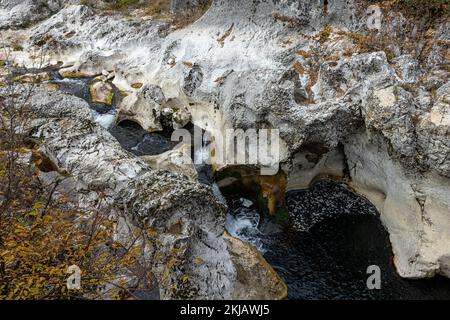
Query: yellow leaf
[33, 213]
[38, 205]
[171, 263]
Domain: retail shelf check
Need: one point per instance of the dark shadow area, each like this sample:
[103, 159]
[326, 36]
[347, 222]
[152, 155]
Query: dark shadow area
[333, 236]
[136, 140]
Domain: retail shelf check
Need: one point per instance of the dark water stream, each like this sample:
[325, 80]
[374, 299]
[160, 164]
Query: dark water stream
[140, 142]
[129, 134]
[333, 237]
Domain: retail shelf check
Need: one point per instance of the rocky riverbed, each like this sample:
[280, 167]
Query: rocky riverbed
[359, 91]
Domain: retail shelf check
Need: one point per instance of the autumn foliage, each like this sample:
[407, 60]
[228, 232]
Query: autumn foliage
[43, 230]
[41, 237]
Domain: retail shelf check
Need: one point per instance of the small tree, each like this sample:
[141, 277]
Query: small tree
[15, 116]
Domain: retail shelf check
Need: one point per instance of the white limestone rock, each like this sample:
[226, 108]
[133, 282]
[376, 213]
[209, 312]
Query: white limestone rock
[143, 107]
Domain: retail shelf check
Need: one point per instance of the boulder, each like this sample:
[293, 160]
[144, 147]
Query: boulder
[102, 92]
[23, 13]
[177, 160]
[256, 278]
[143, 107]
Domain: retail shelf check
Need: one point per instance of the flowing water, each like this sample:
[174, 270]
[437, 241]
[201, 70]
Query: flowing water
[334, 235]
[129, 134]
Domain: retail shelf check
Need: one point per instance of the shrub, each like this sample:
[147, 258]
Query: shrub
[420, 7]
[161, 9]
[40, 237]
[325, 34]
[123, 4]
[291, 21]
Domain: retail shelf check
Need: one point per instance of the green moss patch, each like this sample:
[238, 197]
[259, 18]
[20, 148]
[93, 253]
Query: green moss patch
[137, 85]
[109, 99]
[73, 74]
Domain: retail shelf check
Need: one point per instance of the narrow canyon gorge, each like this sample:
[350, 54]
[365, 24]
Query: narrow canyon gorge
[358, 91]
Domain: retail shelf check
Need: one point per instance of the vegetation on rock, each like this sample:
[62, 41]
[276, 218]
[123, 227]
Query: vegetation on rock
[159, 9]
[43, 230]
[433, 7]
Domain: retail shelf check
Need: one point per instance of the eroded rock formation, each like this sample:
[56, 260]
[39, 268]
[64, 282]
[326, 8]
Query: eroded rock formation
[350, 101]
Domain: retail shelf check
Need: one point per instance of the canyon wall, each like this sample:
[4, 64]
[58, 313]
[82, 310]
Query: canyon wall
[356, 91]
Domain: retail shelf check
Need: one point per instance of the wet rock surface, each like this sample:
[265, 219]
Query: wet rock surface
[140, 142]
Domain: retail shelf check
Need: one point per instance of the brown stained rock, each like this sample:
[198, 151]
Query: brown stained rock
[256, 279]
[33, 78]
[102, 92]
[221, 40]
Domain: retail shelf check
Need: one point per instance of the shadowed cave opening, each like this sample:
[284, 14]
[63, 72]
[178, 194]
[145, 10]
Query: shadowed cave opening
[138, 141]
[332, 237]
